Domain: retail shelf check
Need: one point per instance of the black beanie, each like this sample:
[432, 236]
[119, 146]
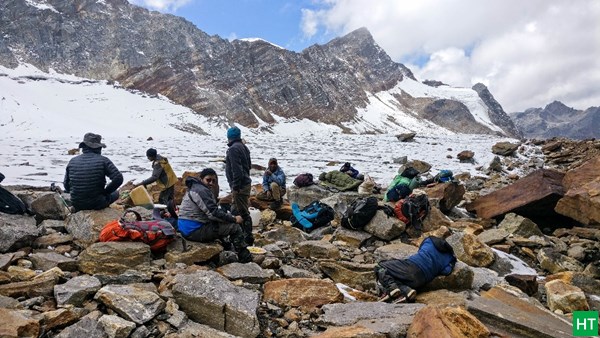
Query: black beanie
[151, 153]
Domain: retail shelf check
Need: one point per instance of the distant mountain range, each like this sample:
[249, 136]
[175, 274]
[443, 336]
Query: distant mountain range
[556, 119]
[350, 82]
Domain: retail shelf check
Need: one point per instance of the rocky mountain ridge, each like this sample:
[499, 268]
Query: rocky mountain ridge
[558, 120]
[253, 83]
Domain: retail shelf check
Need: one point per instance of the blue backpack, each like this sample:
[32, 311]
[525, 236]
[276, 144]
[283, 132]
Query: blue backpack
[314, 215]
[444, 176]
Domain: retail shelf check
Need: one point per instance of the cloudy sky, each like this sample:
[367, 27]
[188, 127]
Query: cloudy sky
[528, 53]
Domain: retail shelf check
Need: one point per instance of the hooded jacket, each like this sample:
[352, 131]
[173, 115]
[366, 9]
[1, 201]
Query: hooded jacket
[278, 176]
[199, 205]
[237, 165]
[435, 257]
[162, 174]
[85, 179]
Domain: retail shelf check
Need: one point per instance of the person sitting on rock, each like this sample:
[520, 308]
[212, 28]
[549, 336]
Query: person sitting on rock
[397, 278]
[165, 179]
[85, 177]
[201, 219]
[350, 171]
[273, 185]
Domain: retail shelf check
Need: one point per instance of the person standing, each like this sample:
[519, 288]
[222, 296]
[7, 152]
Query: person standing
[85, 176]
[237, 171]
[273, 185]
[165, 178]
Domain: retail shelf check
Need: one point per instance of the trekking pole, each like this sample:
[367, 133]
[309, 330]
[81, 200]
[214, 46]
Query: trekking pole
[57, 190]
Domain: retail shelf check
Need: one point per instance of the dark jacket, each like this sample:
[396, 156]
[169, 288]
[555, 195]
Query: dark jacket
[353, 172]
[237, 165]
[435, 257]
[199, 204]
[162, 173]
[85, 179]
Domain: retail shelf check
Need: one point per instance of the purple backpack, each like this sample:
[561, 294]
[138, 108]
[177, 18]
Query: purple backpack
[304, 180]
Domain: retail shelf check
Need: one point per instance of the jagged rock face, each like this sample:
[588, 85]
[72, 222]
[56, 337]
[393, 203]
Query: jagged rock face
[231, 81]
[496, 113]
[558, 120]
[453, 115]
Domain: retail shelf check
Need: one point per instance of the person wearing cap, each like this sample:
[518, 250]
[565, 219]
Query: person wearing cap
[165, 178]
[201, 219]
[85, 176]
[237, 171]
[273, 185]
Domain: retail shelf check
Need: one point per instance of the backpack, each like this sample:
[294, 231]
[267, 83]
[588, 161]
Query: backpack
[314, 215]
[158, 233]
[359, 213]
[410, 172]
[413, 210]
[444, 176]
[304, 180]
[11, 204]
[398, 192]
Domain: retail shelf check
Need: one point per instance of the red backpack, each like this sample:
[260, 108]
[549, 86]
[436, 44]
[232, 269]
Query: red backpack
[413, 209]
[158, 233]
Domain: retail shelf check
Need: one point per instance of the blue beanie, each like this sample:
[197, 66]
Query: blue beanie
[234, 133]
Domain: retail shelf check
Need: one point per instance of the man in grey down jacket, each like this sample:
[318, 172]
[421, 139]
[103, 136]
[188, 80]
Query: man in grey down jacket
[85, 177]
[237, 170]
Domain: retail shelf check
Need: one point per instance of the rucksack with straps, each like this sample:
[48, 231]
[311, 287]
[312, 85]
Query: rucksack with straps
[313, 216]
[304, 180]
[158, 233]
[413, 210]
[444, 175]
[359, 213]
[11, 204]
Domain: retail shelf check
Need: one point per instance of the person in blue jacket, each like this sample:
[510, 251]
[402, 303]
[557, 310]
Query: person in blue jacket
[349, 170]
[273, 185]
[397, 278]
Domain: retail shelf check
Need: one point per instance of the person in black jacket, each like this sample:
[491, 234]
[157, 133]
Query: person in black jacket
[201, 219]
[85, 177]
[237, 170]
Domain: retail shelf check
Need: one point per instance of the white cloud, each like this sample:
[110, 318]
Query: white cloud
[528, 53]
[161, 5]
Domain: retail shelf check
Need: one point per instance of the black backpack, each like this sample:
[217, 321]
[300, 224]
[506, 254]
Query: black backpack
[314, 215]
[11, 204]
[410, 172]
[413, 210]
[304, 180]
[359, 213]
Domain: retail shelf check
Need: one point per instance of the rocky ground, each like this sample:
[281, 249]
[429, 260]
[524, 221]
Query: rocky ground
[528, 250]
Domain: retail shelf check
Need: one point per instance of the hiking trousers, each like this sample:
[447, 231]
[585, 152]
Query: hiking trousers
[167, 197]
[277, 193]
[212, 231]
[240, 207]
[394, 273]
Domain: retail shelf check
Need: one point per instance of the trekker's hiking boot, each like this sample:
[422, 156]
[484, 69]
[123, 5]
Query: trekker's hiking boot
[408, 292]
[244, 256]
[275, 205]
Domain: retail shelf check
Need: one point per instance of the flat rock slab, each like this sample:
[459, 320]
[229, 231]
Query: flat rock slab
[249, 272]
[503, 312]
[534, 196]
[392, 320]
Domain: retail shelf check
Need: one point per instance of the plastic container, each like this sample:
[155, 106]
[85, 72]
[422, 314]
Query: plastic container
[140, 197]
[255, 215]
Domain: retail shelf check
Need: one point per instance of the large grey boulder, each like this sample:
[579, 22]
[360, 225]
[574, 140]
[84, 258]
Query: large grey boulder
[305, 195]
[76, 290]
[85, 225]
[48, 259]
[16, 231]
[209, 298]
[132, 303]
[385, 227]
[391, 320]
[49, 206]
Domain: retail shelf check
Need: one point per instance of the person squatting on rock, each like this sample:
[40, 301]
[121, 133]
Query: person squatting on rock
[237, 171]
[397, 278]
[201, 219]
[273, 185]
[85, 177]
[165, 179]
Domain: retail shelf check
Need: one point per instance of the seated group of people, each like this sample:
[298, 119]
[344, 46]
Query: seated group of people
[201, 219]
